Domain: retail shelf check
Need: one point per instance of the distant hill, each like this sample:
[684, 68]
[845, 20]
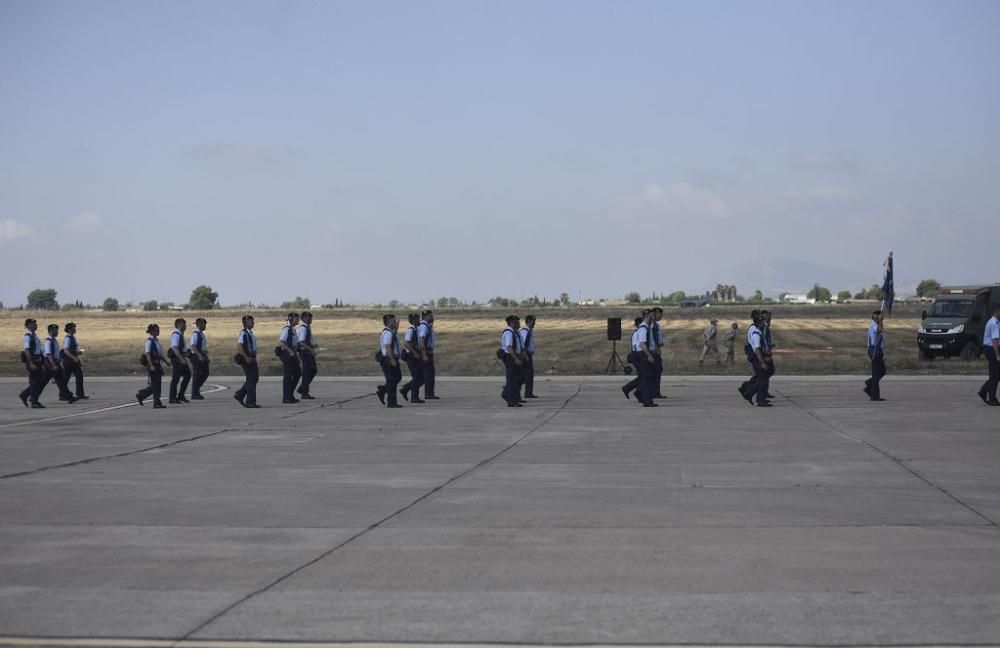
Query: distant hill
[776, 276]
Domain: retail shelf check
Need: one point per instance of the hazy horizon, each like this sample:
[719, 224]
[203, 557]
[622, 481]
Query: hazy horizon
[387, 150]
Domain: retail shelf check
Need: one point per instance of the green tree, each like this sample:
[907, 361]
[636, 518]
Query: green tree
[819, 293]
[203, 298]
[151, 305]
[564, 299]
[110, 304]
[676, 296]
[843, 295]
[43, 299]
[757, 296]
[442, 302]
[297, 304]
[632, 298]
[928, 288]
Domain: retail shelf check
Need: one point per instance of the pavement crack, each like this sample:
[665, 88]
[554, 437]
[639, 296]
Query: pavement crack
[375, 525]
[899, 462]
[119, 455]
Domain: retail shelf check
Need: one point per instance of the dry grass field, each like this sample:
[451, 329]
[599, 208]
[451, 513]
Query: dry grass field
[572, 341]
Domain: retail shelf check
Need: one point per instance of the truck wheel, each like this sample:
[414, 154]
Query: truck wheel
[970, 351]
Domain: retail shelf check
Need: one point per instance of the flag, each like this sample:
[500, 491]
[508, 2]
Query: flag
[888, 293]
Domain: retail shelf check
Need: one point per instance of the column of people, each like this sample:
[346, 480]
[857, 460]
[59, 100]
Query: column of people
[50, 360]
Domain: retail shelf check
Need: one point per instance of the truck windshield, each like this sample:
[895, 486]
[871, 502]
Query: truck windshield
[955, 309]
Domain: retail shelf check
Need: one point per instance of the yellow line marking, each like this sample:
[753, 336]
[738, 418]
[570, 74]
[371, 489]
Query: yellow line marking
[216, 388]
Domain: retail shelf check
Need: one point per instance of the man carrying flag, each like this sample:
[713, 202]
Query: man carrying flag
[888, 293]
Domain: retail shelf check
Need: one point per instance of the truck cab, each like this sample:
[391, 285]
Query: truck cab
[955, 323]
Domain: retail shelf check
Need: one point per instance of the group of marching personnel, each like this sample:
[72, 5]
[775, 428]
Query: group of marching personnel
[187, 356]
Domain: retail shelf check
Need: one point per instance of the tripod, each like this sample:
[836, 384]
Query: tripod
[614, 361]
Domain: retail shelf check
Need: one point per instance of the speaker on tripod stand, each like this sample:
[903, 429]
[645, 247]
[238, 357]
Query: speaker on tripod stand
[614, 335]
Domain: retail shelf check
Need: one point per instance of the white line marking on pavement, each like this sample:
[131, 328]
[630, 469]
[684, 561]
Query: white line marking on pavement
[111, 408]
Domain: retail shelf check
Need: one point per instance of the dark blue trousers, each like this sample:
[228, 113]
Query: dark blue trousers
[416, 380]
[247, 393]
[428, 368]
[529, 375]
[308, 372]
[290, 374]
[878, 372]
[990, 386]
[759, 382]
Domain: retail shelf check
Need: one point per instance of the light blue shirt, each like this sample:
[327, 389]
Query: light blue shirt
[247, 338]
[203, 347]
[638, 337]
[657, 334]
[875, 338]
[304, 334]
[510, 339]
[32, 342]
[426, 330]
[642, 334]
[410, 334]
[176, 339]
[69, 342]
[528, 344]
[387, 339]
[288, 336]
[992, 331]
[754, 337]
[154, 347]
[52, 348]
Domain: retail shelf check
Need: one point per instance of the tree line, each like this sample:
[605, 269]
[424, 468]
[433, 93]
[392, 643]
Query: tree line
[204, 298]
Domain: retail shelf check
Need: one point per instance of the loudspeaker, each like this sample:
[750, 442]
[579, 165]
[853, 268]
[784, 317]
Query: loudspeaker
[614, 328]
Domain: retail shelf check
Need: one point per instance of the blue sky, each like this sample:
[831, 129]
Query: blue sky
[380, 150]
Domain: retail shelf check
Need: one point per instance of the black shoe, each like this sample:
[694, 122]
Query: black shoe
[380, 392]
[393, 406]
[236, 397]
[404, 391]
[765, 404]
[770, 395]
[37, 406]
[197, 397]
[747, 397]
[625, 391]
[530, 396]
[82, 397]
[24, 399]
[432, 397]
[182, 399]
[658, 396]
[867, 390]
[878, 399]
[650, 405]
[308, 397]
[63, 397]
[71, 399]
[252, 406]
[994, 403]
[159, 406]
[288, 401]
[983, 396]
[138, 398]
[173, 401]
[417, 400]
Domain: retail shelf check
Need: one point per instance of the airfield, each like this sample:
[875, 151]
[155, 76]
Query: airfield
[577, 519]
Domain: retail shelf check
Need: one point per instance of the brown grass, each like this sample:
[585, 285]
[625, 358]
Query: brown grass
[571, 341]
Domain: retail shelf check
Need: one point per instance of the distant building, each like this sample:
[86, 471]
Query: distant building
[798, 299]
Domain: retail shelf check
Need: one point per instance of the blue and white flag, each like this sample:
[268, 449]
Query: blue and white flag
[888, 293]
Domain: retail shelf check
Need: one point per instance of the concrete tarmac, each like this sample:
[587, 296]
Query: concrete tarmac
[577, 519]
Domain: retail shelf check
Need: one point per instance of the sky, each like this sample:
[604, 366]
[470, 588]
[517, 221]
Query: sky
[369, 151]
